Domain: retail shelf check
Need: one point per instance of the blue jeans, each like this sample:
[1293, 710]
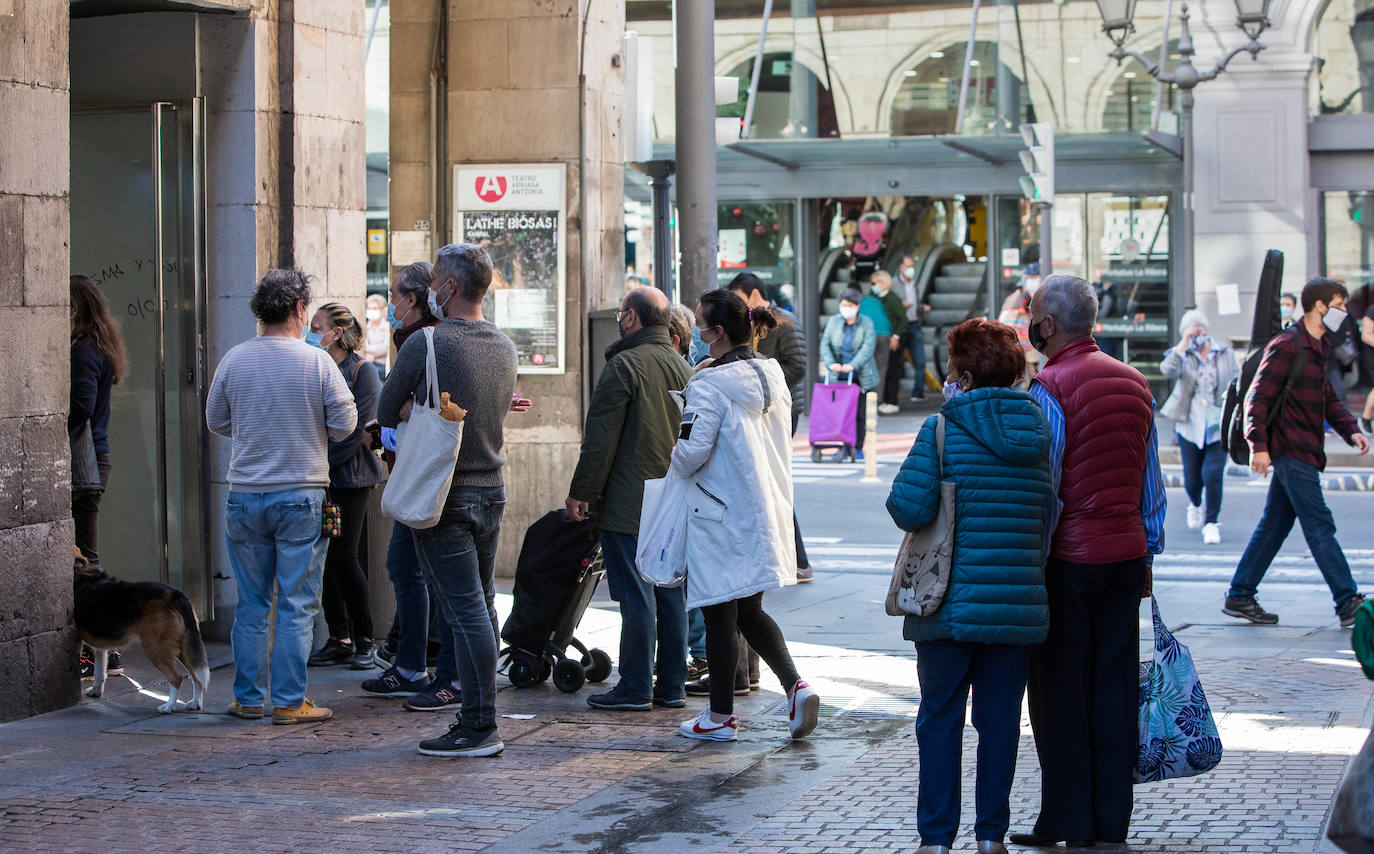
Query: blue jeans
[274, 537]
[458, 556]
[1294, 493]
[412, 609]
[696, 634]
[1203, 467]
[647, 614]
[997, 674]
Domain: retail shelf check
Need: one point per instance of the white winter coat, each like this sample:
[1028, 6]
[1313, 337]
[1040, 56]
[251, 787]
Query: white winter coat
[738, 460]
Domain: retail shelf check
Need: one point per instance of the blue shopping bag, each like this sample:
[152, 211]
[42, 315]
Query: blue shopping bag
[1178, 735]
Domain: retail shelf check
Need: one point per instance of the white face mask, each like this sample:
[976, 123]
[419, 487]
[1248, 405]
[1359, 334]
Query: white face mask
[434, 307]
[373, 315]
[1333, 319]
[908, 273]
[849, 312]
[1032, 284]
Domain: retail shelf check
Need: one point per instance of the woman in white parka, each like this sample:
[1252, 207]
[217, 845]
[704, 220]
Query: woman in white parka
[735, 451]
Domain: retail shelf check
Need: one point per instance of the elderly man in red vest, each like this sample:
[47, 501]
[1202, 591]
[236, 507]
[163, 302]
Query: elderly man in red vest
[1104, 459]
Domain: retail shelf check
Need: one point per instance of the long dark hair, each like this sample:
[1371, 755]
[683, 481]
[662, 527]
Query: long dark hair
[92, 320]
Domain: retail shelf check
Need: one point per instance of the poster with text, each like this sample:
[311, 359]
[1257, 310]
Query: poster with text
[516, 213]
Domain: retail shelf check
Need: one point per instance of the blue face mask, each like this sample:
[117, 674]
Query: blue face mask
[391, 319]
[313, 339]
[1200, 341]
[952, 390]
[699, 349]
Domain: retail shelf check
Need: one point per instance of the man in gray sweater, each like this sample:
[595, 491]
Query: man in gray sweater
[281, 400]
[476, 364]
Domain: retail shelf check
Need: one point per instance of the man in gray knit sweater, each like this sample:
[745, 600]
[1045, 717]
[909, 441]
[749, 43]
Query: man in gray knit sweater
[476, 364]
[281, 400]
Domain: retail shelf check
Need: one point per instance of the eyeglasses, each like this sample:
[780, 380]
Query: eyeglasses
[620, 313]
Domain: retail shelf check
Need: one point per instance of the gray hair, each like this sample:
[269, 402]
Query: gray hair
[1193, 316]
[1072, 301]
[467, 265]
[277, 295]
[681, 319]
[414, 279]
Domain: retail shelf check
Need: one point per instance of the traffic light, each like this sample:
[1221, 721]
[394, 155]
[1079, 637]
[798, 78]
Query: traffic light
[1038, 159]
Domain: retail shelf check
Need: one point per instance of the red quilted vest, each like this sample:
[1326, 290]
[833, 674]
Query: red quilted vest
[1108, 411]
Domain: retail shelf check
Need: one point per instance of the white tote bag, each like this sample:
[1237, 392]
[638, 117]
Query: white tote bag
[426, 451]
[661, 557]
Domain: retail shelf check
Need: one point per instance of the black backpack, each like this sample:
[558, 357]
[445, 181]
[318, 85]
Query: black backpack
[1233, 415]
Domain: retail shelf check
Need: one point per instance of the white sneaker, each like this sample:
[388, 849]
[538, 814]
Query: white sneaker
[889, 409]
[803, 708]
[704, 728]
[1211, 533]
[1194, 516]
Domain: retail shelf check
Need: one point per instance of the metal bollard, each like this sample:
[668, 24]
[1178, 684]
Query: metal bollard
[871, 446]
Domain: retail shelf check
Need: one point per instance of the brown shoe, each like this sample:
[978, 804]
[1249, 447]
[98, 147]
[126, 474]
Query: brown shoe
[248, 713]
[306, 713]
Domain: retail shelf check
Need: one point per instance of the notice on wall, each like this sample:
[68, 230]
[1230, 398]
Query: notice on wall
[1228, 299]
[517, 213]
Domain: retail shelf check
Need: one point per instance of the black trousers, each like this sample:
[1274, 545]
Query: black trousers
[86, 512]
[1083, 691]
[347, 609]
[723, 648]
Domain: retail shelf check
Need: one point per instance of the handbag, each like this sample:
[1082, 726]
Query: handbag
[661, 554]
[1178, 735]
[1352, 817]
[426, 452]
[921, 574]
[85, 469]
[331, 515]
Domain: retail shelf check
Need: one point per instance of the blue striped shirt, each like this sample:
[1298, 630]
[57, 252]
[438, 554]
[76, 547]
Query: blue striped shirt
[1152, 503]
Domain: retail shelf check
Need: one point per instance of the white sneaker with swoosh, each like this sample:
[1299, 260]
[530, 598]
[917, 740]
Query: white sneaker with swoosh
[704, 728]
[803, 709]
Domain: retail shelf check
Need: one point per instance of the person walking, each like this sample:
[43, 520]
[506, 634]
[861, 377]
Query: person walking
[897, 319]
[872, 307]
[1104, 464]
[735, 448]
[631, 422]
[783, 343]
[98, 363]
[847, 351]
[281, 401]
[915, 342]
[996, 452]
[1202, 368]
[476, 365]
[353, 472]
[1285, 409]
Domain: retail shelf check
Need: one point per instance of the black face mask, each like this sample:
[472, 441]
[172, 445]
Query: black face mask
[1037, 338]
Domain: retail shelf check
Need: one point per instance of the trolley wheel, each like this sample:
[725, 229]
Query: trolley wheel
[815, 454]
[598, 665]
[569, 676]
[523, 671]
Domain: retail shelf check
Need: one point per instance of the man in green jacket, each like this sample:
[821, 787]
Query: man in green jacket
[632, 422]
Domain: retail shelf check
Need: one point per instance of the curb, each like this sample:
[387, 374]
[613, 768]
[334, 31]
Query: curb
[1330, 483]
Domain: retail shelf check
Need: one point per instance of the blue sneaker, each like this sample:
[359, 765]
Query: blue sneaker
[858, 456]
[392, 684]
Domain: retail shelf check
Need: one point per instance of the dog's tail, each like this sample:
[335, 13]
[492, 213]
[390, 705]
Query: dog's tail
[192, 646]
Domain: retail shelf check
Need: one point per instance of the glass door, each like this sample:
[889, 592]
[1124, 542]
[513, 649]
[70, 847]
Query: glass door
[136, 230]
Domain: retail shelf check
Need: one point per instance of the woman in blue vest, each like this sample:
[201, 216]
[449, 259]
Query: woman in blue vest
[996, 451]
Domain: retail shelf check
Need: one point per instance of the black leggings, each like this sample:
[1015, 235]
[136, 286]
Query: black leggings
[345, 596]
[722, 647]
[86, 512]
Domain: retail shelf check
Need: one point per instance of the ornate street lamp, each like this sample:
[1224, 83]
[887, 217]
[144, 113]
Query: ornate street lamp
[1252, 17]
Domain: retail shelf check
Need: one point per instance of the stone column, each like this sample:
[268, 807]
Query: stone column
[528, 81]
[37, 642]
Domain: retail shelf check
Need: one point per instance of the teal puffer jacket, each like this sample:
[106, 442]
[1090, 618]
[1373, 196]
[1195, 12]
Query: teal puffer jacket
[997, 445]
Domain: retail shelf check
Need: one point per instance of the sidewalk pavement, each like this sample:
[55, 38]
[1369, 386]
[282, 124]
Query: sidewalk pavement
[113, 775]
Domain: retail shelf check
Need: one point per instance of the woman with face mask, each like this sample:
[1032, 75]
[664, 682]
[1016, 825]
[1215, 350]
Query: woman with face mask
[1202, 368]
[353, 472]
[847, 351]
[996, 451]
[377, 338]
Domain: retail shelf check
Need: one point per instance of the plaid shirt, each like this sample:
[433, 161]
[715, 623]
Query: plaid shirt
[1297, 432]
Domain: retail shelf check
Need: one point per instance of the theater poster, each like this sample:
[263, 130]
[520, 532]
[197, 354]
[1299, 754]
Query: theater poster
[517, 213]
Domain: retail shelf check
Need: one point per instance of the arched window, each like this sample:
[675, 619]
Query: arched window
[1343, 42]
[928, 100]
[1130, 102]
[778, 112]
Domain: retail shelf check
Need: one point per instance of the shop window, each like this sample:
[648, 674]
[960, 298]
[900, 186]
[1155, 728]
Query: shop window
[1343, 42]
[756, 237]
[1130, 103]
[928, 100]
[778, 113]
[1348, 243]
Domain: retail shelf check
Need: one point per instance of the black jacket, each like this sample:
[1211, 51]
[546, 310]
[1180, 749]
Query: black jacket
[92, 377]
[352, 464]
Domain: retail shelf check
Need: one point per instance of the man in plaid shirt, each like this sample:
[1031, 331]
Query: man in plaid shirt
[1292, 441]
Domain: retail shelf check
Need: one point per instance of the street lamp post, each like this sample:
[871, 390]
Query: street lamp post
[1252, 17]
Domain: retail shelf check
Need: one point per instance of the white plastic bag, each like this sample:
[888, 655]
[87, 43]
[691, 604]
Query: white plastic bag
[426, 452]
[662, 554]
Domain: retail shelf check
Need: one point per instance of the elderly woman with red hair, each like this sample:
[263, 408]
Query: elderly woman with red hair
[996, 445]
